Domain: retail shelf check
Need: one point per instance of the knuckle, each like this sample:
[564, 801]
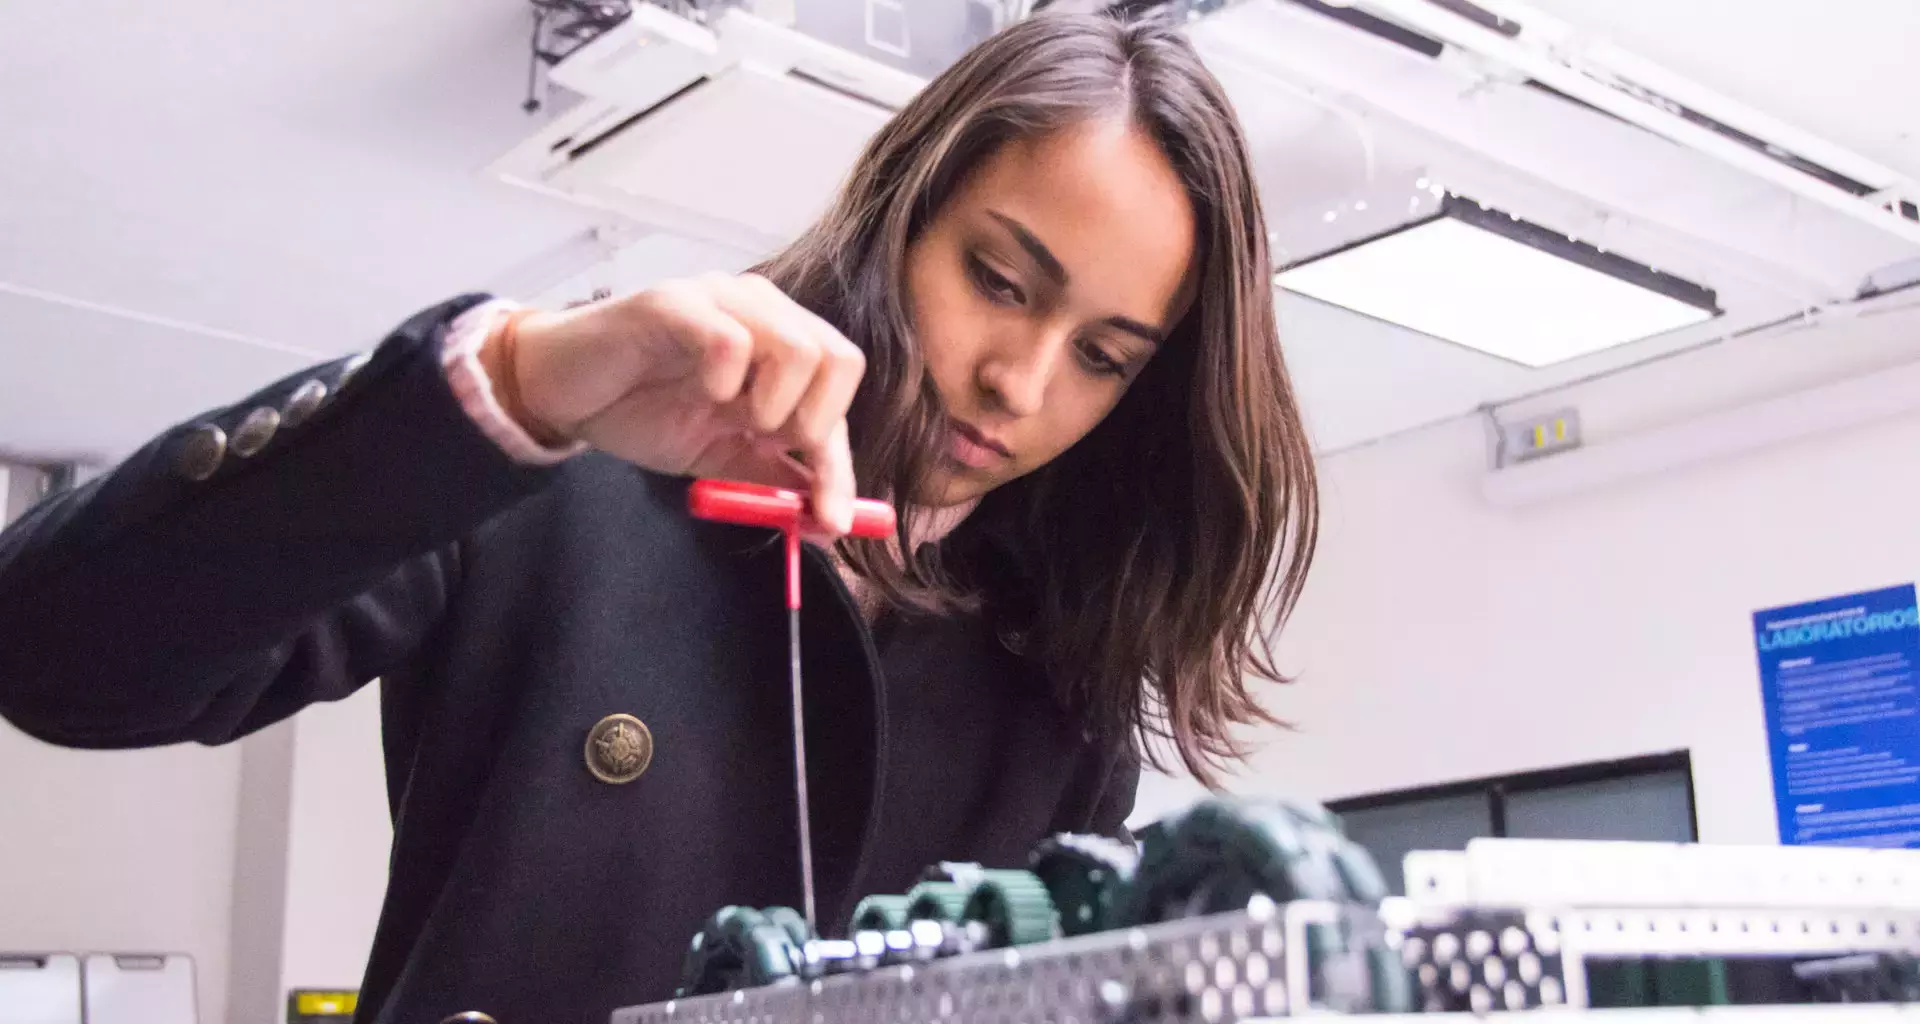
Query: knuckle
[792, 349]
[812, 431]
[712, 283]
[666, 299]
[725, 339]
[766, 291]
[767, 417]
[806, 352]
[812, 440]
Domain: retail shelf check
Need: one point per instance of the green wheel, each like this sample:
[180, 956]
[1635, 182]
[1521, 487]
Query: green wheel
[881, 914]
[938, 901]
[1220, 853]
[961, 872]
[1085, 875]
[740, 948]
[790, 920]
[1015, 907]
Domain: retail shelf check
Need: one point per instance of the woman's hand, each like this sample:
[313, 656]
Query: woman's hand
[717, 376]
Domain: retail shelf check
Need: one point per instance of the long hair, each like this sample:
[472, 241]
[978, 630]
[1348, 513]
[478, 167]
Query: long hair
[1168, 544]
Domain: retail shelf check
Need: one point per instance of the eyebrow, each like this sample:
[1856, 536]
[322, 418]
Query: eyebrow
[1051, 266]
[1146, 332]
[1049, 263]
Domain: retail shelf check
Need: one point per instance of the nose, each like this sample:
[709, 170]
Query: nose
[1015, 374]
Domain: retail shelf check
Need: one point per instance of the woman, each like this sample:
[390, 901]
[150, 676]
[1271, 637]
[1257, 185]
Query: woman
[1063, 371]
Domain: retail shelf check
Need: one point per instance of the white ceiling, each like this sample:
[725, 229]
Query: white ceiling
[1345, 127]
[301, 175]
[1842, 68]
[200, 196]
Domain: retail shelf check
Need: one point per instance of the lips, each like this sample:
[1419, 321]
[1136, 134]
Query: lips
[974, 449]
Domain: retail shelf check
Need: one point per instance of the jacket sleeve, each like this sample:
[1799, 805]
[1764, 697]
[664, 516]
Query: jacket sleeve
[259, 558]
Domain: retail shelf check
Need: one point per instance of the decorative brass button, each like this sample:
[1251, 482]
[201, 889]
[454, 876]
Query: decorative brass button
[619, 749]
[254, 432]
[303, 402]
[352, 367]
[201, 452]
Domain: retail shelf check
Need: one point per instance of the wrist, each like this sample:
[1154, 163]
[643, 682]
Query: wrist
[501, 356]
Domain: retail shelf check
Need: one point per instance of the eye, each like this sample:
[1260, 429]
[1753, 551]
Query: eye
[992, 284]
[1100, 362]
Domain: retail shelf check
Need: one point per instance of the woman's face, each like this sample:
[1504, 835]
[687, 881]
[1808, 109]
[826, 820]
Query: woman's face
[1041, 290]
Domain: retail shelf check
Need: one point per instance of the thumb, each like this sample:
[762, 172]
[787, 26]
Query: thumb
[751, 460]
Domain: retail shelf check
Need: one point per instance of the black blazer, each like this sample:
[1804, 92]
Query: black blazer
[315, 536]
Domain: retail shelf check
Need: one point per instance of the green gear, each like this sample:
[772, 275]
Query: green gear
[881, 914]
[795, 925]
[961, 872]
[1222, 851]
[1085, 875]
[740, 948]
[1015, 907]
[938, 901]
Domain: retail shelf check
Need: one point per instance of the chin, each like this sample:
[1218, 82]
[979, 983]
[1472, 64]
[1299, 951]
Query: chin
[947, 488]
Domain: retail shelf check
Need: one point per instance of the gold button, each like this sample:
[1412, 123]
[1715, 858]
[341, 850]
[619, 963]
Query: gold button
[255, 431]
[353, 366]
[201, 452]
[469, 1017]
[619, 749]
[303, 402]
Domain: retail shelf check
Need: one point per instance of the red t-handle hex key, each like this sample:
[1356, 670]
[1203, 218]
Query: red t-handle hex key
[730, 501]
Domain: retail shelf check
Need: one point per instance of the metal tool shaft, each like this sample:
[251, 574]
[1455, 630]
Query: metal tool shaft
[732, 501]
[802, 808]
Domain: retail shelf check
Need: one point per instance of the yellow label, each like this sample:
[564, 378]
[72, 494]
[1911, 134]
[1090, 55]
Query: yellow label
[319, 1003]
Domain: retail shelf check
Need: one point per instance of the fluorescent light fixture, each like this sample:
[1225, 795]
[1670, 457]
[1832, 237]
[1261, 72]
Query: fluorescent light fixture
[1502, 286]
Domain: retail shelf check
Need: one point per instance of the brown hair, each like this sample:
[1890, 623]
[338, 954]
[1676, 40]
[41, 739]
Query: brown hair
[1169, 542]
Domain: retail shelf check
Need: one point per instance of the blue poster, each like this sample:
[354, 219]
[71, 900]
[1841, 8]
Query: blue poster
[1837, 678]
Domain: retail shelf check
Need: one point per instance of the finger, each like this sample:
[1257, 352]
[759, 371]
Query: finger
[831, 465]
[706, 343]
[831, 394]
[725, 353]
[785, 351]
[742, 456]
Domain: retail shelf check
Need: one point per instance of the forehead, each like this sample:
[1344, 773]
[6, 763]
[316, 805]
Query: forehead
[1108, 203]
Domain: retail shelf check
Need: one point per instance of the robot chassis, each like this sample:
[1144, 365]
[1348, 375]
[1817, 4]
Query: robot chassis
[1237, 910]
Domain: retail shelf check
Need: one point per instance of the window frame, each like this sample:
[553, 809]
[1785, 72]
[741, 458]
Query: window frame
[1498, 788]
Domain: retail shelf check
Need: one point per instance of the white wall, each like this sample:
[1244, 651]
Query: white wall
[119, 852]
[338, 837]
[1442, 638]
[265, 860]
[258, 924]
[311, 866]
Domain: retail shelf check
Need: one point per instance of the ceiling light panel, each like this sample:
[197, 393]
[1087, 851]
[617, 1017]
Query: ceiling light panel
[1503, 289]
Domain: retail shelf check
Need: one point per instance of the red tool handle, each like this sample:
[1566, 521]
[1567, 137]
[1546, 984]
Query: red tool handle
[730, 501]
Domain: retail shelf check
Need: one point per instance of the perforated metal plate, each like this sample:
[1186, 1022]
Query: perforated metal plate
[1484, 961]
[1239, 967]
[1732, 931]
[1228, 967]
[1490, 960]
